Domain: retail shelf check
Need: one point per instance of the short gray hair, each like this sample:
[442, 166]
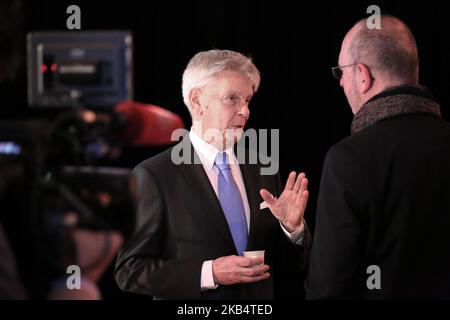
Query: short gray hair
[391, 50]
[205, 64]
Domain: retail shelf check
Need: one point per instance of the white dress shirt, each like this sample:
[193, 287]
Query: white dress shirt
[207, 154]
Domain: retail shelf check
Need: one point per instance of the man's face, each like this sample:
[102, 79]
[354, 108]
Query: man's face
[348, 80]
[224, 105]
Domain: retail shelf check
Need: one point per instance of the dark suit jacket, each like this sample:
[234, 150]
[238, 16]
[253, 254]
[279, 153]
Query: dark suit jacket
[385, 200]
[181, 224]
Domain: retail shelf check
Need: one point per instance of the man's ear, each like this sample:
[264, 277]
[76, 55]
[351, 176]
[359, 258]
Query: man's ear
[194, 99]
[365, 78]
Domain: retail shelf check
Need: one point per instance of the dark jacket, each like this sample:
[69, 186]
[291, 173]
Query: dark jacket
[181, 224]
[385, 201]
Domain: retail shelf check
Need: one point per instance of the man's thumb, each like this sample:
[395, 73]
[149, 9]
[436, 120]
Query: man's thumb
[267, 197]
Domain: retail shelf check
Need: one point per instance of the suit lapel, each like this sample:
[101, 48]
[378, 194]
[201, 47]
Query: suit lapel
[250, 175]
[195, 175]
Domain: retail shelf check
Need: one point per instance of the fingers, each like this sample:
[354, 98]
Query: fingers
[246, 279]
[301, 201]
[303, 190]
[302, 196]
[235, 269]
[250, 262]
[303, 184]
[255, 271]
[290, 181]
[299, 182]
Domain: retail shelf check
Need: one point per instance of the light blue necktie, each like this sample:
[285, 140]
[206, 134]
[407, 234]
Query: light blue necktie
[231, 202]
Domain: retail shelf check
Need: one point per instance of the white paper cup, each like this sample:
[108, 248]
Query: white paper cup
[254, 254]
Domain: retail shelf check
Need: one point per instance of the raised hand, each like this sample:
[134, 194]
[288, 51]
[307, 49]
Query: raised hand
[289, 208]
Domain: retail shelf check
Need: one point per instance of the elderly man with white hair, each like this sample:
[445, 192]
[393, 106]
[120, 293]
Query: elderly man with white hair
[196, 218]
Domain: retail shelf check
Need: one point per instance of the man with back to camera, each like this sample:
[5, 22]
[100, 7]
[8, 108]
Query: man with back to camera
[383, 212]
[196, 219]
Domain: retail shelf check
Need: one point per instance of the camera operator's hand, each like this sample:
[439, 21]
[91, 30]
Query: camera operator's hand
[96, 249]
[236, 269]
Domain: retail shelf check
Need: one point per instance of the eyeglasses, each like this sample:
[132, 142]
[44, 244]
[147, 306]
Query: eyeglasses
[337, 72]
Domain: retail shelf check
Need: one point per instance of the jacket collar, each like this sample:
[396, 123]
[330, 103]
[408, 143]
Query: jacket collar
[395, 101]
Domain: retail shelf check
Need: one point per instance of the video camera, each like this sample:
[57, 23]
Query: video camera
[55, 171]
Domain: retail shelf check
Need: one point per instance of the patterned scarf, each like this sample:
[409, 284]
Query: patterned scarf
[395, 101]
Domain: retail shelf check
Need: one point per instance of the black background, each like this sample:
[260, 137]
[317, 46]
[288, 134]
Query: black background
[293, 43]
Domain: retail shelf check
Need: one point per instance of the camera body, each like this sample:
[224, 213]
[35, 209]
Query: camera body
[51, 184]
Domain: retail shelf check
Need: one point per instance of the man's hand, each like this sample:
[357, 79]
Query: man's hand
[289, 208]
[236, 269]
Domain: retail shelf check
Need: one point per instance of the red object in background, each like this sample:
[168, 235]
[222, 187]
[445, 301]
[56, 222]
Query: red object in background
[147, 124]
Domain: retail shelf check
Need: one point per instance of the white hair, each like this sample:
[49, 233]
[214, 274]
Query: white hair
[205, 64]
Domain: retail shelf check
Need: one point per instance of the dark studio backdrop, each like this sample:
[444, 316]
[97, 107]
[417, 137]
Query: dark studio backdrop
[293, 44]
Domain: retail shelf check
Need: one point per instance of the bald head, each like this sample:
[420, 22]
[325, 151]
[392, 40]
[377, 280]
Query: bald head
[390, 52]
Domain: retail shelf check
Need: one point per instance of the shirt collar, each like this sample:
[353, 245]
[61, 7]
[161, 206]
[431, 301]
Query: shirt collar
[207, 152]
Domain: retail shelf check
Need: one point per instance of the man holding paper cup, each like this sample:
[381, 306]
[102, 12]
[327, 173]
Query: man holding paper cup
[196, 219]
